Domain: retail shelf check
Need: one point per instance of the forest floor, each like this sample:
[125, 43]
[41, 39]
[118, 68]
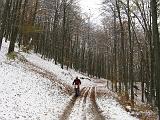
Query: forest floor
[32, 88]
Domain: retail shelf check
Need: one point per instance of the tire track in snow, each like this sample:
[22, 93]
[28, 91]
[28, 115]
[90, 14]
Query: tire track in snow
[78, 111]
[93, 111]
[84, 98]
[85, 107]
[69, 107]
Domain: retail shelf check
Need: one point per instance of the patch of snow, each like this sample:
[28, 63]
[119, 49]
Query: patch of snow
[110, 107]
[3, 50]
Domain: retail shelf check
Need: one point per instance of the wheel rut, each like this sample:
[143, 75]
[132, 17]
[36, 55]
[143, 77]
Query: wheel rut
[84, 104]
[94, 109]
[87, 106]
[69, 107]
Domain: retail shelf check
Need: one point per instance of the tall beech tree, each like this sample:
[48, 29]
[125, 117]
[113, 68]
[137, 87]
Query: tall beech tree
[156, 43]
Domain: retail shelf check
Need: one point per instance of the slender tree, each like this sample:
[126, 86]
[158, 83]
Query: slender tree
[156, 43]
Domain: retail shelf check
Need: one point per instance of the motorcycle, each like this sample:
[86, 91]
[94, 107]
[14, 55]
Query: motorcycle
[77, 92]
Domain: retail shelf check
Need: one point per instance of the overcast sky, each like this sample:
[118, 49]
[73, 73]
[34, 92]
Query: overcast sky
[91, 7]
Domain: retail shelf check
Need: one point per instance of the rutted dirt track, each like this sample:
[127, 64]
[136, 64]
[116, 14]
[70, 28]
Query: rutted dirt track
[86, 102]
[87, 106]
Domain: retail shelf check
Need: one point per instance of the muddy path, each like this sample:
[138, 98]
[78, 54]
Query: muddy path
[83, 107]
[68, 108]
[94, 107]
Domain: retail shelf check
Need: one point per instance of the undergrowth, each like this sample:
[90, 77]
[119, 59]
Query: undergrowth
[12, 56]
[140, 110]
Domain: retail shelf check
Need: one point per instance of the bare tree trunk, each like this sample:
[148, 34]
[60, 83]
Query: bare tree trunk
[15, 27]
[123, 57]
[5, 14]
[131, 78]
[63, 32]
[156, 43]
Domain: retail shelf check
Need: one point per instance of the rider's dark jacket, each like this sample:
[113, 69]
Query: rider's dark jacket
[76, 81]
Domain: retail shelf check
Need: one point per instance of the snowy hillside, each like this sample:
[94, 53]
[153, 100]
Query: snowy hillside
[25, 95]
[37, 89]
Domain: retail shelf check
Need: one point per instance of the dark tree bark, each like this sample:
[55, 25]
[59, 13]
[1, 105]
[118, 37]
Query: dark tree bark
[131, 78]
[5, 14]
[156, 43]
[15, 20]
[123, 57]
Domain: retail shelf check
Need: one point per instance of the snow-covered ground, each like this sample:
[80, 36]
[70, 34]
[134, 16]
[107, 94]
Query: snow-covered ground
[25, 95]
[111, 107]
[64, 75]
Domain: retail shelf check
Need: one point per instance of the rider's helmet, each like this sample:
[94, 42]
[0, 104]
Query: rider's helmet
[76, 77]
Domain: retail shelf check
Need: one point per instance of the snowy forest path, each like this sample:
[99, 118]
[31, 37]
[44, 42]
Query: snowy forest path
[83, 107]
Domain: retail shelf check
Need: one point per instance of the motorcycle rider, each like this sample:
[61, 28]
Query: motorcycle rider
[77, 82]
